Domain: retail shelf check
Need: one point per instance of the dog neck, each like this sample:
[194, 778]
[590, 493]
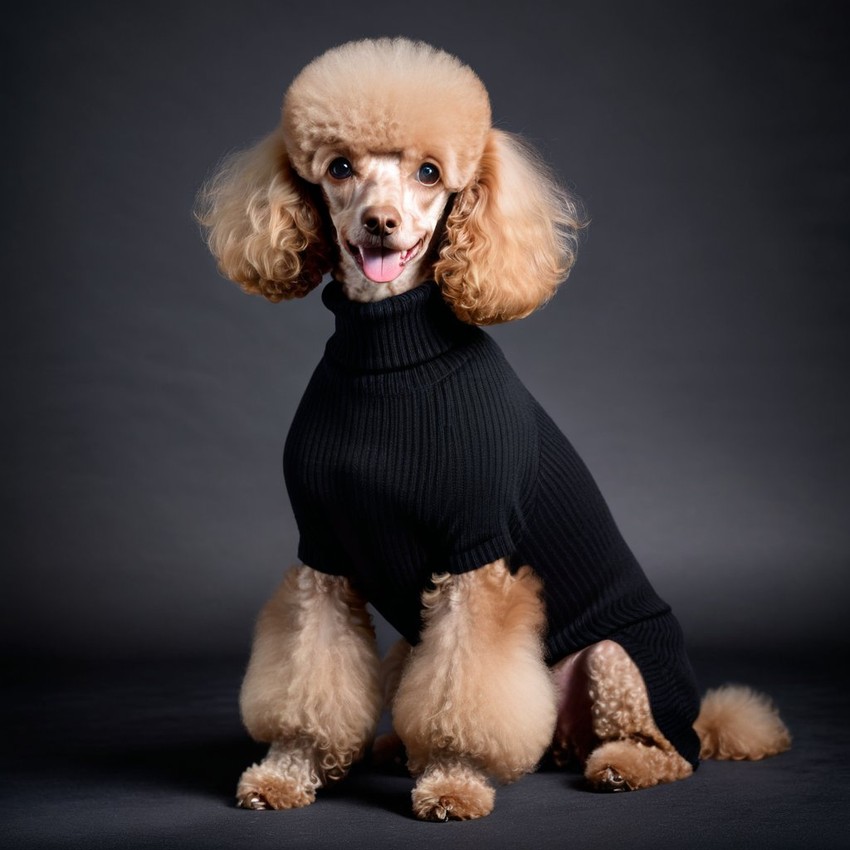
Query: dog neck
[414, 328]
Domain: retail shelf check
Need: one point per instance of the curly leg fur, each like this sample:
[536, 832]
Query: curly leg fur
[633, 753]
[476, 699]
[311, 689]
[286, 779]
[452, 791]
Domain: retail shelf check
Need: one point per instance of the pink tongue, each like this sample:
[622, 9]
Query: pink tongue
[380, 265]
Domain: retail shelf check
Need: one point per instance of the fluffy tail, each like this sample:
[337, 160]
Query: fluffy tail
[736, 722]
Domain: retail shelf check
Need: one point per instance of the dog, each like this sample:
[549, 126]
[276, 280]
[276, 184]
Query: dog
[427, 481]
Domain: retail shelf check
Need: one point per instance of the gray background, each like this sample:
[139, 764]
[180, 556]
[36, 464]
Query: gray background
[697, 357]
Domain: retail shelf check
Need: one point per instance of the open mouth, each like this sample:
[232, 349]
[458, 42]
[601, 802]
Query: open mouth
[382, 265]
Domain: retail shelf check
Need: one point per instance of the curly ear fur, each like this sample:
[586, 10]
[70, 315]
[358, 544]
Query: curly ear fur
[510, 237]
[263, 224]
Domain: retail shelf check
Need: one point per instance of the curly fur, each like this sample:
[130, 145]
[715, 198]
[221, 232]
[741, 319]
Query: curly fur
[736, 722]
[264, 224]
[452, 791]
[633, 753]
[382, 96]
[287, 778]
[510, 237]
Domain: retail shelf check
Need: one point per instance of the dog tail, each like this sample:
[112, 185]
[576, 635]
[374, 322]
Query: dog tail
[736, 722]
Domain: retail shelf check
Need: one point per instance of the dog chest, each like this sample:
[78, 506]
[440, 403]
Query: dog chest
[437, 476]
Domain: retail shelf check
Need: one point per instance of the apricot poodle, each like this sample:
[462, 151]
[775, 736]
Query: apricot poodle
[427, 481]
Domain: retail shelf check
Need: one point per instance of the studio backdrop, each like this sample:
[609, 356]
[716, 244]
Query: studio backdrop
[697, 356]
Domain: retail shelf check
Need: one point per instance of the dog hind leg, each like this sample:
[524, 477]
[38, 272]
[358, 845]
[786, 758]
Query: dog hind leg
[633, 753]
[311, 689]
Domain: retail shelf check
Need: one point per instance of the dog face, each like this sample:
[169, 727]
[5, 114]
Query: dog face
[386, 210]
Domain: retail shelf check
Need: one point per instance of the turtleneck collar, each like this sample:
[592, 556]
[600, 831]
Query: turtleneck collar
[399, 332]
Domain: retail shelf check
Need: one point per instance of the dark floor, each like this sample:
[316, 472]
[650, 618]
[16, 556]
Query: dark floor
[147, 755]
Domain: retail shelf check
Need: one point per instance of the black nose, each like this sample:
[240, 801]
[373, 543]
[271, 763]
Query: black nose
[381, 221]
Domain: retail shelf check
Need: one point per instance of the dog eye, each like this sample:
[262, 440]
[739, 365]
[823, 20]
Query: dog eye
[428, 174]
[340, 169]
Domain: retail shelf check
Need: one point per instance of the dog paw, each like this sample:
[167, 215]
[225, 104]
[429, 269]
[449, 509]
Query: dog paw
[446, 794]
[631, 765]
[261, 788]
[458, 806]
[617, 766]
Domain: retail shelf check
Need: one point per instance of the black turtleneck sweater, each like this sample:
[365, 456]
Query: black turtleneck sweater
[416, 450]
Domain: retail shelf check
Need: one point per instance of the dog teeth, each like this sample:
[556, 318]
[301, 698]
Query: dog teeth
[409, 254]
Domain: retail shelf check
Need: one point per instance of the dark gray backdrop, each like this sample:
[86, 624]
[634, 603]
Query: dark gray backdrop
[697, 357]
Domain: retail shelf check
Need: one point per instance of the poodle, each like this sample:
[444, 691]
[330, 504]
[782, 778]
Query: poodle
[427, 481]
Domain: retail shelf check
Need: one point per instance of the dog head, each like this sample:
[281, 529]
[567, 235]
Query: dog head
[386, 171]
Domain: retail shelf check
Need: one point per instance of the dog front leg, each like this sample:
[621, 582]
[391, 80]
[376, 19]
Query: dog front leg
[311, 689]
[476, 700]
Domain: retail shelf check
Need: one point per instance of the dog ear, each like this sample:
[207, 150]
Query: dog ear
[510, 237]
[264, 224]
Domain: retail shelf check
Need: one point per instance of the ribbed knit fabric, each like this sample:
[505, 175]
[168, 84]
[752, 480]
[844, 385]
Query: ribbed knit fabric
[417, 450]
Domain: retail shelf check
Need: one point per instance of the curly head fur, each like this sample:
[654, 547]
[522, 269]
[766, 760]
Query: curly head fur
[382, 96]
